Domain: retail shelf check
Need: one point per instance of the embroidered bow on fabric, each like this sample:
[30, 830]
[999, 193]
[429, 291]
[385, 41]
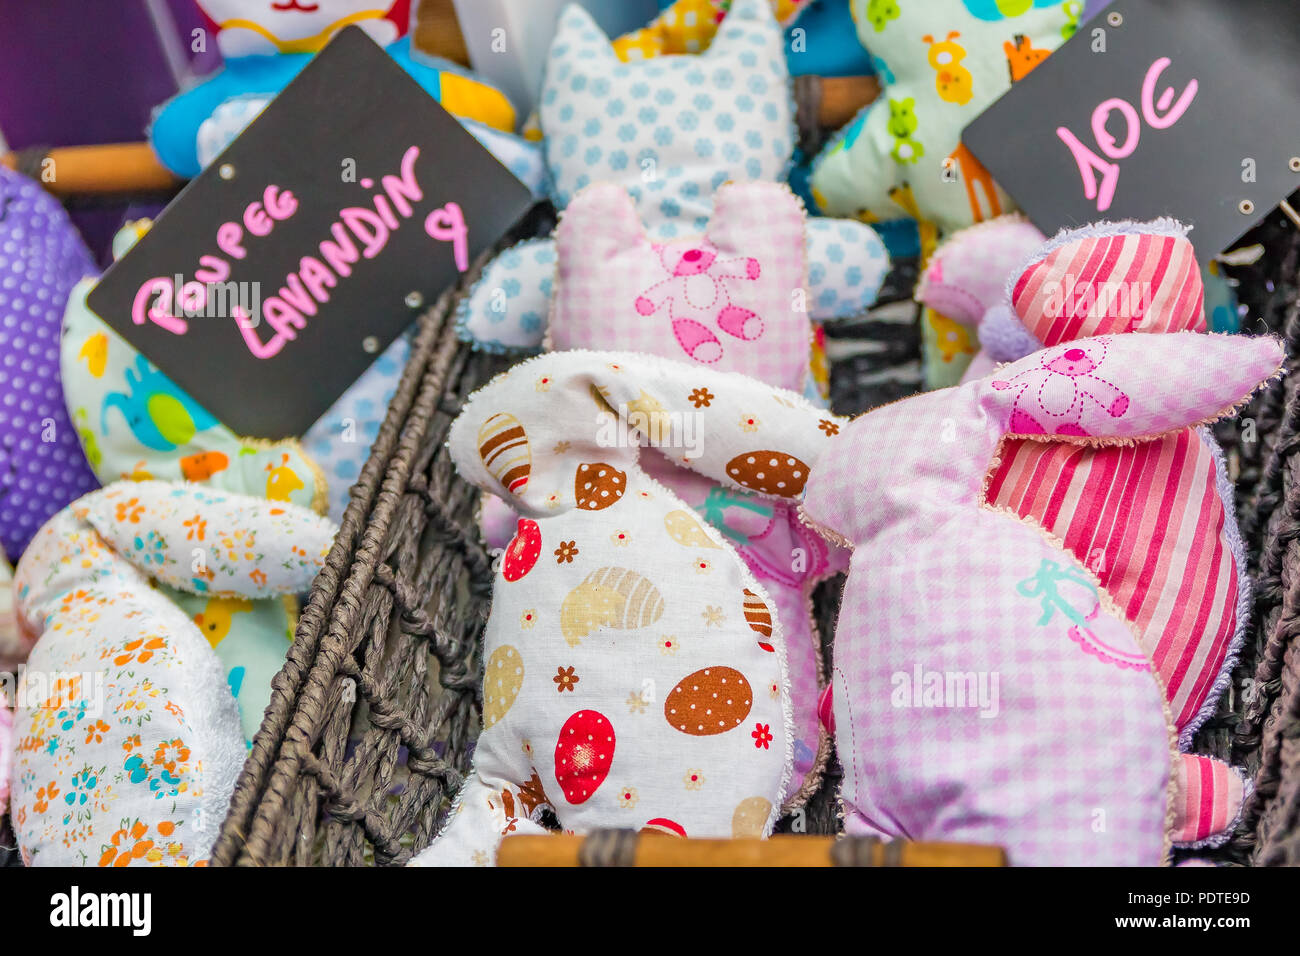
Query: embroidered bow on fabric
[1099, 517]
[991, 683]
[635, 669]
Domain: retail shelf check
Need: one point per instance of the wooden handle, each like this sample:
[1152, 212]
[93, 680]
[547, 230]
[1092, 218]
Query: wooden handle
[842, 98]
[655, 849]
[115, 168]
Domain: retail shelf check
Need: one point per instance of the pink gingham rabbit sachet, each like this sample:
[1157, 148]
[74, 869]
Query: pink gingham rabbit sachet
[987, 687]
[635, 670]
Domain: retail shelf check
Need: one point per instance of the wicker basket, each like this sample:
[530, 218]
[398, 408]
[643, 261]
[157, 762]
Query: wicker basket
[1258, 724]
[372, 718]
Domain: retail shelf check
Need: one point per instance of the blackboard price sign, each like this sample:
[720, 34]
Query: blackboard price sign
[1182, 108]
[274, 279]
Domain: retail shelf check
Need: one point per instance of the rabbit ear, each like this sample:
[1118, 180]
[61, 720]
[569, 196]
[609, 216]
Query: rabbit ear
[537, 435]
[204, 541]
[578, 37]
[934, 449]
[603, 212]
[745, 20]
[1119, 388]
[968, 272]
[1110, 277]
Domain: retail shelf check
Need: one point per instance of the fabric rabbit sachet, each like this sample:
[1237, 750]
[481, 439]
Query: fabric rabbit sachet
[635, 670]
[1072, 591]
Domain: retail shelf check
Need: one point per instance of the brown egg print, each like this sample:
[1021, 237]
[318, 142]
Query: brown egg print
[759, 619]
[503, 447]
[710, 701]
[770, 472]
[750, 818]
[502, 677]
[597, 485]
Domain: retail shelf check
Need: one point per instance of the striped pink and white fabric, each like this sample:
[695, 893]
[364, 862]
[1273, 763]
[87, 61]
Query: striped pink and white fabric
[1211, 795]
[1100, 284]
[1147, 519]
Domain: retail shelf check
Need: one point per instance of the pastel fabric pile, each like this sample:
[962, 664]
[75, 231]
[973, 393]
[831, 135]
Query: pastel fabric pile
[669, 130]
[264, 49]
[127, 738]
[1037, 620]
[635, 671]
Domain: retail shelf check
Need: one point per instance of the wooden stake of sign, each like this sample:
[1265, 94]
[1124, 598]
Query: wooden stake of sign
[655, 849]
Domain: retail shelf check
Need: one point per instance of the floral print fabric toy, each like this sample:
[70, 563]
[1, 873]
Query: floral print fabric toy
[669, 130]
[634, 669]
[989, 684]
[127, 736]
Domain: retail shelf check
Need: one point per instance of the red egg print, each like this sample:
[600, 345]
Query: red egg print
[664, 825]
[826, 708]
[523, 551]
[583, 755]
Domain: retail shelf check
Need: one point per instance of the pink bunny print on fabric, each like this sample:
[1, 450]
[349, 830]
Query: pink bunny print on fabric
[1056, 390]
[696, 293]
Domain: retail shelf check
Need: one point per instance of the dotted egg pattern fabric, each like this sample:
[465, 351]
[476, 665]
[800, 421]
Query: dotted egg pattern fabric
[634, 669]
[42, 466]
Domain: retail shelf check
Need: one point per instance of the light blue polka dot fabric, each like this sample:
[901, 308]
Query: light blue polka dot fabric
[670, 130]
[340, 440]
[515, 153]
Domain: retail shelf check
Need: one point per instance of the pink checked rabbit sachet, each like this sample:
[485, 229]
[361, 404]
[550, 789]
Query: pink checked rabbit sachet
[1047, 587]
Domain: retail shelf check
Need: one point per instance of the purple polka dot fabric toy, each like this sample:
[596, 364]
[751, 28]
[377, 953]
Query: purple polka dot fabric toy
[42, 465]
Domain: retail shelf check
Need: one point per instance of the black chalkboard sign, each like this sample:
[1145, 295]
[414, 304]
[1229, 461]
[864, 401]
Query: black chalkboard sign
[275, 278]
[1183, 108]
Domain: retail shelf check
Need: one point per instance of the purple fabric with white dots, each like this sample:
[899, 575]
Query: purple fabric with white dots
[42, 466]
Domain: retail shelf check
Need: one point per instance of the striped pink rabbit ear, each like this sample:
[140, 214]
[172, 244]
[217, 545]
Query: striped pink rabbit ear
[1111, 277]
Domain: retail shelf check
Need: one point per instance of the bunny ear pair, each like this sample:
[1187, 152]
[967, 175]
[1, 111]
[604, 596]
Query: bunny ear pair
[733, 298]
[561, 431]
[1112, 389]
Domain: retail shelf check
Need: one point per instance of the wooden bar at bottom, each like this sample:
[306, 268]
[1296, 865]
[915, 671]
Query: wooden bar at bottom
[655, 849]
